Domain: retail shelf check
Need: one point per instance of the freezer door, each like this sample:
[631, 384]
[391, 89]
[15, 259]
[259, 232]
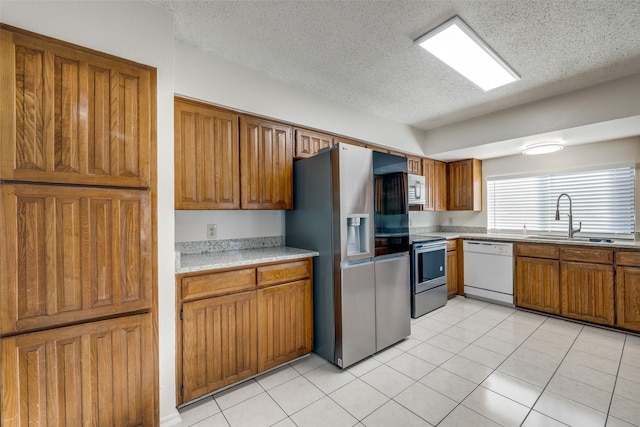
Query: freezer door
[357, 329]
[393, 300]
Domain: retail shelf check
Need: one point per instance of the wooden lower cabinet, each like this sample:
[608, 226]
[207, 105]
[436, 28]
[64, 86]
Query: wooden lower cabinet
[628, 297]
[218, 342]
[285, 323]
[98, 373]
[538, 284]
[452, 271]
[238, 322]
[587, 292]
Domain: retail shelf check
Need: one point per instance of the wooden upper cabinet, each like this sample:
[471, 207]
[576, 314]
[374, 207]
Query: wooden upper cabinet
[308, 143]
[207, 159]
[71, 115]
[440, 186]
[72, 254]
[464, 179]
[428, 170]
[97, 374]
[414, 165]
[266, 164]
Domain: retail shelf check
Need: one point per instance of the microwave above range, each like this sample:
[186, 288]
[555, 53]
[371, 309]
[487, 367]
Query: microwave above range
[417, 189]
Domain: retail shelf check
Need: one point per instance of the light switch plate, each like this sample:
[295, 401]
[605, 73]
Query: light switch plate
[212, 231]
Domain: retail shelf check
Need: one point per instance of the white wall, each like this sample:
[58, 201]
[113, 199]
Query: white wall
[571, 158]
[141, 32]
[191, 225]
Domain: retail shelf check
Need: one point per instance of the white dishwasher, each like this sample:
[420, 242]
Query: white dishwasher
[488, 270]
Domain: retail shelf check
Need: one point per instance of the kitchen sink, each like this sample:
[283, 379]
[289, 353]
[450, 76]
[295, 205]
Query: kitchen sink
[573, 239]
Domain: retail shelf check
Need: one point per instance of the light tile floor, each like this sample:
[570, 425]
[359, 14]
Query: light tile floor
[470, 363]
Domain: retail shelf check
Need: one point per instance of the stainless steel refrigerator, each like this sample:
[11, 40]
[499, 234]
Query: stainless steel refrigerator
[361, 302]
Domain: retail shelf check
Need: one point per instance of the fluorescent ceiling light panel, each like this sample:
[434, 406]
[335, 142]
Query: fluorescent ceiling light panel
[459, 47]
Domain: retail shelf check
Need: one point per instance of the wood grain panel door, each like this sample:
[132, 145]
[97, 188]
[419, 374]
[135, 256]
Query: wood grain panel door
[72, 254]
[71, 115]
[587, 292]
[219, 340]
[414, 165]
[266, 164]
[628, 298]
[308, 143]
[440, 186]
[464, 179]
[207, 159]
[452, 273]
[428, 170]
[538, 284]
[285, 323]
[96, 374]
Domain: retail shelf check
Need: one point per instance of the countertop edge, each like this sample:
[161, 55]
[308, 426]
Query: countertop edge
[210, 262]
[631, 244]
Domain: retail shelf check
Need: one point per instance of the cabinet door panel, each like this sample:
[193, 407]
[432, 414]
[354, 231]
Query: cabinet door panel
[464, 179]
[218, 342]
[428, 169]
[628, 297]
[538, 284]
[414, 165]
[266, 164]
[308, 143]
[73, 254]
[206, 157]
[587, 292]
[452, 273]
[440, 187]
[74, 116]
[92, 374]
[285, 323]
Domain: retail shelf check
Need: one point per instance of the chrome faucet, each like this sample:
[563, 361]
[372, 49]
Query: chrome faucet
[572, 231]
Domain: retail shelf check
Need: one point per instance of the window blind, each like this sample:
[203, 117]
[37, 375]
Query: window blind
[604, 200]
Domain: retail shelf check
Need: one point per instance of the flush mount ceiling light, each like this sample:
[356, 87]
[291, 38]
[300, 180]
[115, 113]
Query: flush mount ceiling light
[455, 44]
[542, 148]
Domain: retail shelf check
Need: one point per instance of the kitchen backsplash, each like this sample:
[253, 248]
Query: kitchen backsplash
[204, 246]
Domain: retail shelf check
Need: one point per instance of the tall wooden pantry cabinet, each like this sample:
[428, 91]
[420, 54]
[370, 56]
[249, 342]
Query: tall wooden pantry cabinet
[78, 297]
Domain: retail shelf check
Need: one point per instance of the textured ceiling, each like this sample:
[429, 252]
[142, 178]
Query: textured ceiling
[362, 53]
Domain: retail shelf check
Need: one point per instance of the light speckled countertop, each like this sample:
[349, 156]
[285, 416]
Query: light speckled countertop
[187, 263]
[616, 244]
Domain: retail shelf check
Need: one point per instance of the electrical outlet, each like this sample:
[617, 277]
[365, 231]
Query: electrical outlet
[450, 219]
[212, 231]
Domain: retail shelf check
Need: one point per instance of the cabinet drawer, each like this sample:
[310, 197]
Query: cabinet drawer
[452, 245]
[628, 258]
[213, 284]
[537, 251]
[600, 256]
[285, 272]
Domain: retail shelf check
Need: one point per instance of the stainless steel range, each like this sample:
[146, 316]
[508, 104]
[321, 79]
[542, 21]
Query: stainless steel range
[428, 274]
